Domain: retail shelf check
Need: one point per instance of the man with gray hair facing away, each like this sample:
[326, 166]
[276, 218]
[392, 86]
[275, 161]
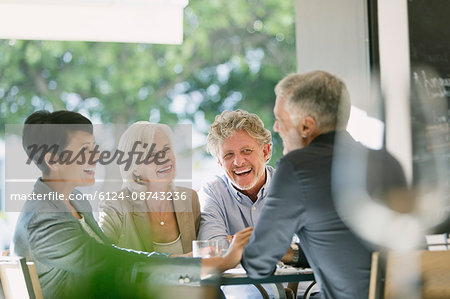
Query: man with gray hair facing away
[311, 111]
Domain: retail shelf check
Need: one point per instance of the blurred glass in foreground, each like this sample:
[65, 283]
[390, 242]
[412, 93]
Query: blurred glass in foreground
[370, 194]
[372, 198]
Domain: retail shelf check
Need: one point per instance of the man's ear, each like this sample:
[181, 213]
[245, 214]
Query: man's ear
[307, 126]
[49, 159]
[219, 162]
[266, 151]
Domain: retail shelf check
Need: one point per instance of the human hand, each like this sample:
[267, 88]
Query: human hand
[189, 254]
[229, 238]
[287, 258]
[234, 254]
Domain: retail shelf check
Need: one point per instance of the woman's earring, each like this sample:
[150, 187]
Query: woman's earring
[138, 179]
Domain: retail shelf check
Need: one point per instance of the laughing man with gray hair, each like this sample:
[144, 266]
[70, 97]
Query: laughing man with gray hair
[233, 201]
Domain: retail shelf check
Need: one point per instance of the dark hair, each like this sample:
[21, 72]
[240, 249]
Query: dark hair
[46, 131]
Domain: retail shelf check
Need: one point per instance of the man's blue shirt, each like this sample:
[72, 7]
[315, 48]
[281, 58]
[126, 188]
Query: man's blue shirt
[225, 210]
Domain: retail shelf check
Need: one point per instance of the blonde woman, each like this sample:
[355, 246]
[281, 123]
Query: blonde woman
[151, 213]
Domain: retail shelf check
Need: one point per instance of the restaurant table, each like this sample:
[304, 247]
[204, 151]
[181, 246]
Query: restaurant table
[238, 276]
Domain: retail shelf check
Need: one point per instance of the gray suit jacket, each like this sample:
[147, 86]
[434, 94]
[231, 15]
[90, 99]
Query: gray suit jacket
[65, 254]
[300, 201]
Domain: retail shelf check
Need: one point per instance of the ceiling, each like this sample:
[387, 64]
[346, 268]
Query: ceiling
[134, 21]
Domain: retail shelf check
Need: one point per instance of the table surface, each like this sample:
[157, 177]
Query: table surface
[238, 276]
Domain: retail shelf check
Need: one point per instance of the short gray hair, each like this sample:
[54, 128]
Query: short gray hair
[144, 132]
[227, 123]
[318, 94]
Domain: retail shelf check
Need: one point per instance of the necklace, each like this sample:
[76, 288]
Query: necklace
[156, 217]
[162, 221]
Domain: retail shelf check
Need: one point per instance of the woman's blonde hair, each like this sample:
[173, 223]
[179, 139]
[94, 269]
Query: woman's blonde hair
[144, 132]
[227, 123]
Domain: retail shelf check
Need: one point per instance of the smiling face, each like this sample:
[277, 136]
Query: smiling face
[243, 160]
[158, 173]
[73, 172]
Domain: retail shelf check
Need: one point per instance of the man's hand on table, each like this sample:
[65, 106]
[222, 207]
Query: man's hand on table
[233, 256]
[288, 257]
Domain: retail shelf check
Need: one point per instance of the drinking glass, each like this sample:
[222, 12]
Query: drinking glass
[223, 246]
[205, 248]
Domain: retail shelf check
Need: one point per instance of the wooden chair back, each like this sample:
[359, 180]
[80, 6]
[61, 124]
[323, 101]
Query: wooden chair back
[19, 279]
[419, 274]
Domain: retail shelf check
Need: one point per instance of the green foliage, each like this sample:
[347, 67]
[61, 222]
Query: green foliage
[233, 54]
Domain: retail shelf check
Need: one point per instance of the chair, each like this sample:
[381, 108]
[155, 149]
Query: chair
[19, 279]
[312, 288]
[435, 274]
[401, 275]
[377, 276]
[35, 280]
[293, 286]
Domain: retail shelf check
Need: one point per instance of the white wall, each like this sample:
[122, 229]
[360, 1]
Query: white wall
[333, 36]
[395, 76]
